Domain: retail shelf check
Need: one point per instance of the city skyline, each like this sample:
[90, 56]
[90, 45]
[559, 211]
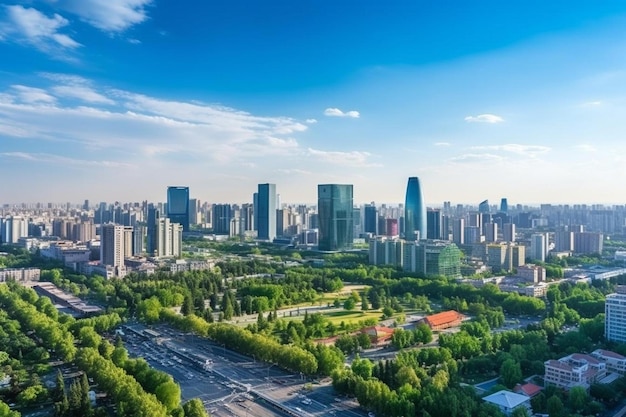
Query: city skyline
[115, 102]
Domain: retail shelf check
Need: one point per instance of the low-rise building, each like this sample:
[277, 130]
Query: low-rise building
[508, 401]
[444, 320]
[614, 361]
[575, 370]
[20, 274]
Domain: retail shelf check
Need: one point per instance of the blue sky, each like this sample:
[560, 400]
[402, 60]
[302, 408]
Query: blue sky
[117, 99]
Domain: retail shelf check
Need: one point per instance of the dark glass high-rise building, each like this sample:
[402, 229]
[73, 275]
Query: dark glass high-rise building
[504, 205]
[370, 220]
[414, 211]
[222, 215]
[266, 207]
[483, 207]
[152, 230]
[433, 222]
[178, 206]
[335, 210]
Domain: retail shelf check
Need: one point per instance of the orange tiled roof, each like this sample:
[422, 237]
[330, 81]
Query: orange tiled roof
[444, 317]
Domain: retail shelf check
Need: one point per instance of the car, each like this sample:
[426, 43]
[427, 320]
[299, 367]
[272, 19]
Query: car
[370, 414]
[306, 401]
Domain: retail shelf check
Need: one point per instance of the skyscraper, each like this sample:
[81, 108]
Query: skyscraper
[504, 205]
[433, 222]
[222, 215]
[414, 211]
[266, 204]
[336, 226]
[178, 206]
[483, 207]
[371, 219]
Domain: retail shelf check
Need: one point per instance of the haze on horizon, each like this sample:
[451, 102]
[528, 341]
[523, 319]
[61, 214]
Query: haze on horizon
[522, 100]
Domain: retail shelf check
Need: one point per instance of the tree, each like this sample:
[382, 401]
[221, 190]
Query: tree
[387, 312]
[510, 373]
[520, 412]
[188, 307]
[349, 304]
[194, 408]
[374, 299]
[555, 407]
[577, 399]
[364, 304]
[422, 334]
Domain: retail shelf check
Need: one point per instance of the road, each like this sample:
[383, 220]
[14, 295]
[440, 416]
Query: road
[230, 384]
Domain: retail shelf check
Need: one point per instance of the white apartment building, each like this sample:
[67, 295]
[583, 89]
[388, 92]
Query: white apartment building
[615, 320]
[575, 370]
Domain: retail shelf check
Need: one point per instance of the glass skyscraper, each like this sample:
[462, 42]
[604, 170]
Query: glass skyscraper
[266, 216]
[414, 211]
[335, 210]
[178, 206]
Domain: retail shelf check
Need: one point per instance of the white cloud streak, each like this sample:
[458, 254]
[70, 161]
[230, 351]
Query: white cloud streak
[352, 159]
[335, 112]
[516, 148]
[484, 118]
[33, 95]
[30, 26]
[108, 15]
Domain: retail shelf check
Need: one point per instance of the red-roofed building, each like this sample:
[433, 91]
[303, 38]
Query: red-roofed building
[444, 320]
[528, 389]
[379, 335]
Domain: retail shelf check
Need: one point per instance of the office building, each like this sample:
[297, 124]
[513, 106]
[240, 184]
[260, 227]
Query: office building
[222, 215]
[370, 219]
[414, 211]
[432, 258]
[483, 207]
[433, 224]
[615, 315]
[178, 206]
[266, 216]
[336, 226]
[504, 205]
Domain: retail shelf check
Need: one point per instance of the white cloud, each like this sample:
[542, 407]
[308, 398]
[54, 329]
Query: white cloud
[62, 160]
[516, 148]
[476, 157]
[311, 121]
[32, 95]
[352, 159]
[30, 26]
[81, 92]
[484, 118]
[335, 112]
[294, 171]
[586, 148]
[594, 103]
[108, 15]
[138, 125]
[442, 144]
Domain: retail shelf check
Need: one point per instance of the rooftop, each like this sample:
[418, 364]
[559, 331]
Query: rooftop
[506, 399]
